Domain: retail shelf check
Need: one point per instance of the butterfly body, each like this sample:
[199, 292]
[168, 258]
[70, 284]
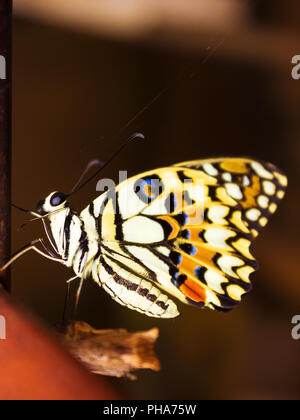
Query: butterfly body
[183, 230]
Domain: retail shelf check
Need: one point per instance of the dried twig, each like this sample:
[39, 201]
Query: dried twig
[112, 352]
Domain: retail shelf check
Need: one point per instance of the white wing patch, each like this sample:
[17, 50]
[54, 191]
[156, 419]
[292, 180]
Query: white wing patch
[217, 237]
[129, 202]
[143, 230]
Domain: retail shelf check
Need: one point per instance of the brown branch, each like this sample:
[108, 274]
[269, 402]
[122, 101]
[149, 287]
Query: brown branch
[5, 138]
[112, 352]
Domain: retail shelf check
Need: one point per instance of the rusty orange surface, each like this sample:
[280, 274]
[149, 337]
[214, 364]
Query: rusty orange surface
[35, 366]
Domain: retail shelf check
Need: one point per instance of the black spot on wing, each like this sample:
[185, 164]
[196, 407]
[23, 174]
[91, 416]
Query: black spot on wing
[162, 305]
[188, 248]
[183, 177]
[199, 272]
[175, 257]
[184, 234]
[179, 280]
[227, 304]
[194, 303]
[99, 218]
[155, 187]
[118, 219]
[181, 218]
[170, 203]
[167, 228]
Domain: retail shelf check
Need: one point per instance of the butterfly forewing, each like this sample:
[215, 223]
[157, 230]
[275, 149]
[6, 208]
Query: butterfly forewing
[256, 185]
[185, 230]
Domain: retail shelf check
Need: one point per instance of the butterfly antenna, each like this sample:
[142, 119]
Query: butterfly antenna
[166, 89]
[20, 208]
[88, 167]
[142, 110]
[26, 211]
[180, 78]
[77, 188]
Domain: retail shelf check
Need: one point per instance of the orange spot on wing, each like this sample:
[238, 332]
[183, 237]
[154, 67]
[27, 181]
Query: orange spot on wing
[234, 166]
[148, 191]
[251, 192]
[174, 224]
[204, 257]
[193, 290]
[194, 235]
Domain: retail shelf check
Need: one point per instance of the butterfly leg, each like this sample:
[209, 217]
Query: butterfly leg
[77, 297]
[29, 247]
[67, 297]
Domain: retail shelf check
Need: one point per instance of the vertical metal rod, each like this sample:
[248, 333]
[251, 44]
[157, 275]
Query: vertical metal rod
[5, 135]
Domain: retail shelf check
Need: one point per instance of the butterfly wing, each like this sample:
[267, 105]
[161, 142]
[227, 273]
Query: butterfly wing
[186, 230]
[256, 185]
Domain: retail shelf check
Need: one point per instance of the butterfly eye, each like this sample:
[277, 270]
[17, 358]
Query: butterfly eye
[57, 199]
[39, 207]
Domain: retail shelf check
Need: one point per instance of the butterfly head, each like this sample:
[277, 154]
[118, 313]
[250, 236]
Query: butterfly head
[53, 202]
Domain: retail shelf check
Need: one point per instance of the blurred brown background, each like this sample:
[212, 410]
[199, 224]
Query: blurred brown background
[79, 77]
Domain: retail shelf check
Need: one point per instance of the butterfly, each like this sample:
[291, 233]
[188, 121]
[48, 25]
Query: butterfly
[183, 231]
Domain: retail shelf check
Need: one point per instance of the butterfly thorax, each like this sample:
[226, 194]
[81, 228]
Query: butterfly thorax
[70, 238]
[75, 236]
